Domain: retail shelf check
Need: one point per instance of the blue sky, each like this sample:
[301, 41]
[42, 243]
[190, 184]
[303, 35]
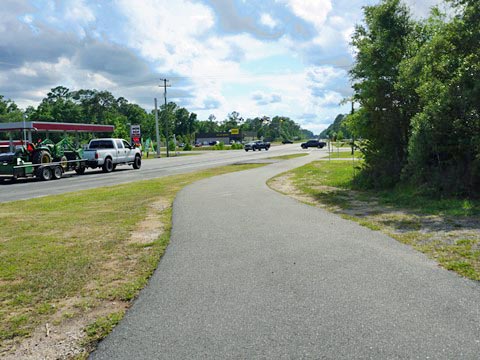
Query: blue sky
[259, 58]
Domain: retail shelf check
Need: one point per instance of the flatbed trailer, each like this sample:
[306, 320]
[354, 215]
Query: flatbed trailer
[45, 171]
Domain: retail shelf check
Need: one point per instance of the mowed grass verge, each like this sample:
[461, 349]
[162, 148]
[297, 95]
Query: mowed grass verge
[445, 229]
[70, 256]
[287, 157]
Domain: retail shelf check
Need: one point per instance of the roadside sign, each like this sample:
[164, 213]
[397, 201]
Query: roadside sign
[135, 131]
[135, 135]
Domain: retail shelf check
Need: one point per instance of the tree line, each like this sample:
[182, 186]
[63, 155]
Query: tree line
[101, 107]
[418, 86]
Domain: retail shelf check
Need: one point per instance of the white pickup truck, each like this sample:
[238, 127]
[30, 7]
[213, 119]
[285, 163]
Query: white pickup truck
[108, 153]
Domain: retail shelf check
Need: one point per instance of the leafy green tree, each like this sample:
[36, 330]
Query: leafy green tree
[339, 124]
[381, 46]
[9, 111]
[233, 121]
[444, 150]
[208, 126]
[58, 106]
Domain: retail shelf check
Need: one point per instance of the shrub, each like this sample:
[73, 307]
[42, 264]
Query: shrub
[219, 146]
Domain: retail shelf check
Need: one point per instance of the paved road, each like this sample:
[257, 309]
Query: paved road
[252, 274]
[152, 168]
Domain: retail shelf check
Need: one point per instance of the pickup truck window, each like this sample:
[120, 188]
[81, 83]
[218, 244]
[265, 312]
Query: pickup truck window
[101, 144]
[119, 144]
[126, 144]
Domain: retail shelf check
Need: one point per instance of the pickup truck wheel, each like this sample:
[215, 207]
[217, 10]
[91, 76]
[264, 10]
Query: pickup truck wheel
[246, 150]
[137, 163]
[107, 165]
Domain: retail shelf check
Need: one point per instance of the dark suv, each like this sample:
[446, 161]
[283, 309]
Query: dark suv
[313, 143]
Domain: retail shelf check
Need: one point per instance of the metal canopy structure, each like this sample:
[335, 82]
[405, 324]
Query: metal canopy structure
[54, 127]
[40, 126]
[29, 127]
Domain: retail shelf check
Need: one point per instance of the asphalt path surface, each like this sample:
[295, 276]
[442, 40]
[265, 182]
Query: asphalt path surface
[151, 168]
[253, 274]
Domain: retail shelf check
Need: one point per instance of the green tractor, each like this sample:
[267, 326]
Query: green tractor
[63, 151]
[46, 160]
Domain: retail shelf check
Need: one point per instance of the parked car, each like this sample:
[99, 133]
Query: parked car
[257, 145]
[313, 143]
[286, 141]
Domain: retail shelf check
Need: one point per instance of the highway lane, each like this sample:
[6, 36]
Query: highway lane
[151, 168]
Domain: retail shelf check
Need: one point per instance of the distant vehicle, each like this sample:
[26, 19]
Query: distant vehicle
[313, 143]
[108, 153]
[257, 145]
[286, 141]
[213, 143]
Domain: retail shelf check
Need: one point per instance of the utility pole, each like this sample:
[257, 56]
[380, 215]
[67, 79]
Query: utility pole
[166, 113]
[156, 129]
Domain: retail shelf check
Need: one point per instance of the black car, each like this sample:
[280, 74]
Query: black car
[313, 143]
[257, 145]
[286, 141]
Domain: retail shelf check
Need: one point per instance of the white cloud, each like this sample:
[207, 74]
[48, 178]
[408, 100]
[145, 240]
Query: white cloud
[167, 30]
[267, 20]
[421, 9]
[77, 11]
[313, 11]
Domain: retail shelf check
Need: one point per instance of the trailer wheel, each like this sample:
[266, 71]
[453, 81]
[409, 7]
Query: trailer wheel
[107, 165]
[57, 172]
[137, 163]
[44, 173]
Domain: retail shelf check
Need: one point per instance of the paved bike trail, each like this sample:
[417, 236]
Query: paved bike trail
[253, 274]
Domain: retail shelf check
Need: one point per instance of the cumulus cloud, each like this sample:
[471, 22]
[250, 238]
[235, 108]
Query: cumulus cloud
[211, 103]
[77, 11]
[267, 20]
[263, 99]
[278, 57]
[314, 12]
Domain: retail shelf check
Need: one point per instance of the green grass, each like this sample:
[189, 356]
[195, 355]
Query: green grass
[344, 154]
[102, 327]
[404, 213]
[215, 147]
[77, 246]
[287, 157]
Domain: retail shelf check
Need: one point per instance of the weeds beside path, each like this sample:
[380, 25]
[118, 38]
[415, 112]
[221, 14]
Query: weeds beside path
[447, 230]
